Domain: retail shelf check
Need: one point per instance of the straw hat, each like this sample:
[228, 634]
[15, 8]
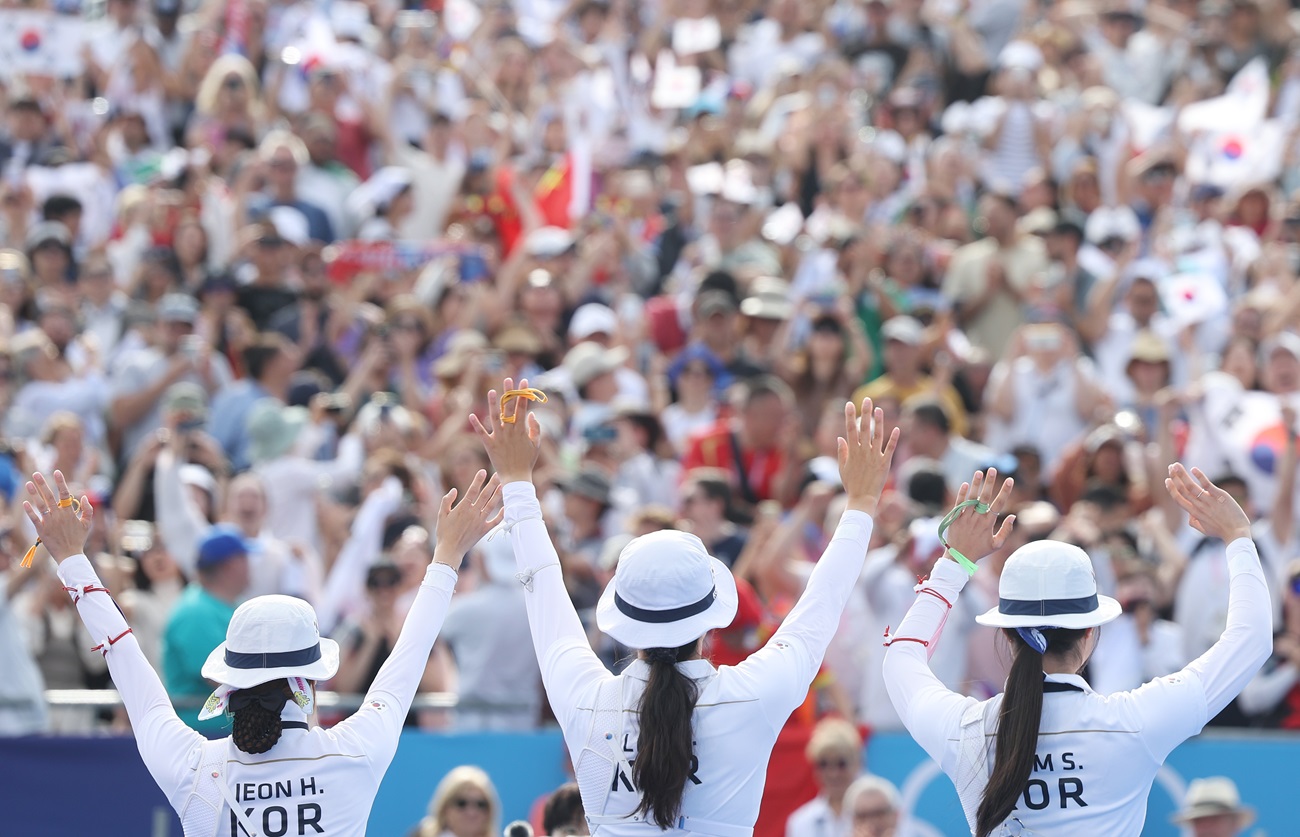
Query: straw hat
[1212, 797]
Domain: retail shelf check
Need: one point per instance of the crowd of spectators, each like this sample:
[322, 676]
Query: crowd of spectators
[262, 259]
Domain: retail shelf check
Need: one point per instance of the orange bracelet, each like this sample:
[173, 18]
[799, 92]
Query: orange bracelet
[532, 394]
[63, 504]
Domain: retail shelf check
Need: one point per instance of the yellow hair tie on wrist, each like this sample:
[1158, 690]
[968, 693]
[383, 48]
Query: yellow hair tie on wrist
[66, 502]
[532, 394]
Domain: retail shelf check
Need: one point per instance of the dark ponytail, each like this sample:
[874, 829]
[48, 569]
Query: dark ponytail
[665, 745]
[257, 715]
[1018, 722]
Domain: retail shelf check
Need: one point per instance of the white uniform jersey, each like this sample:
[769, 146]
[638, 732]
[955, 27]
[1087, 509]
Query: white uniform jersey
[1097, 755]
[314, 780]
[739, 712]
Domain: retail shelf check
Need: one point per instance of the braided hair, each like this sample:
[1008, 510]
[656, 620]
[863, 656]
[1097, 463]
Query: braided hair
[256, 712]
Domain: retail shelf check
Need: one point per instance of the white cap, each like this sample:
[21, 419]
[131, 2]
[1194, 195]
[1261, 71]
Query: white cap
[378, 192]
[592, 318]
[1112, 222]
[290, 224]
[1049, 584]
[271, 637]
[587, 361]
[667, 591]
[904, 329]
[548, 242]
[1020, 55]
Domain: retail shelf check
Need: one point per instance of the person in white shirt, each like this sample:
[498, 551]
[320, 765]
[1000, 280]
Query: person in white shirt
[1064, 759]
[673, 745]
[835, 753]
[1138, 646]
[286, 774]
[486, 633]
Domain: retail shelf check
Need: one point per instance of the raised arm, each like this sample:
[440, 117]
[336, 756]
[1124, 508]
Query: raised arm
[347, 577]
[931, 712]
[789, 661]
[1176, 707]
[378, 724]
[558, 636]
[165, 742]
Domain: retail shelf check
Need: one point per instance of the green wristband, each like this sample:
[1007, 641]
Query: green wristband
[965, 563]
[980, 508]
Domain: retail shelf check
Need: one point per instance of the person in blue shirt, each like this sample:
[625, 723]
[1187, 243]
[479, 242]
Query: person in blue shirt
[199, 621]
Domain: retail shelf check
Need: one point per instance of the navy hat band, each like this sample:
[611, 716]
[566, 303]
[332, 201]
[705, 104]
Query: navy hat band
[1047, 607]
[660, 617]
[278, 659]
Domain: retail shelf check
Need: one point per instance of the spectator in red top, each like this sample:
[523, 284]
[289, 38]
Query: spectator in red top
[752, 448]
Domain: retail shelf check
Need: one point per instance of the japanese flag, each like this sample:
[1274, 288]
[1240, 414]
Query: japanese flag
[1192, 298]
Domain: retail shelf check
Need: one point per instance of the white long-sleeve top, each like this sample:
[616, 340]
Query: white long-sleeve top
[740, 710]
[344, 595]
[1097, 754]
[317, 780]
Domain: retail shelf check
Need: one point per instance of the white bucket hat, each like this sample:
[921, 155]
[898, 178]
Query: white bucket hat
[1049, 584]
[270, 637]
[666, 591]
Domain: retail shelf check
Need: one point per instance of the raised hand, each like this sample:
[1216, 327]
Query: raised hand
[1213, 511]
[972, 533]
[462, 525]
[62, 523]
[864, 465]
[511, 445]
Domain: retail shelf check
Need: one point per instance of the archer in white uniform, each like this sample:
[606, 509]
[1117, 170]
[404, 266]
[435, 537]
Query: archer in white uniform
[691, 758]
[1050, 755]
[277, 775]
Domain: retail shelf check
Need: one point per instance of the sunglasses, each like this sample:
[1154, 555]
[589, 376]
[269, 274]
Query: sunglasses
[233, 83]
[462, 804]
[827, 764]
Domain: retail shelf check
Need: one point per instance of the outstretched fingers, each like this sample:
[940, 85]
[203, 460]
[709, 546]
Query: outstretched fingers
[851, 427]
[487, 493]
[1003, 496]
[521, 404]
[34, 516]
[493, 413]
[476, 486]
[990, 485]
[61, 486]
[891, 444]
[43, 489]
[448, 500]
[1004, 531]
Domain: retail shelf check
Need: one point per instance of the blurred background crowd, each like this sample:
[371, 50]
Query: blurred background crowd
[262, 259]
